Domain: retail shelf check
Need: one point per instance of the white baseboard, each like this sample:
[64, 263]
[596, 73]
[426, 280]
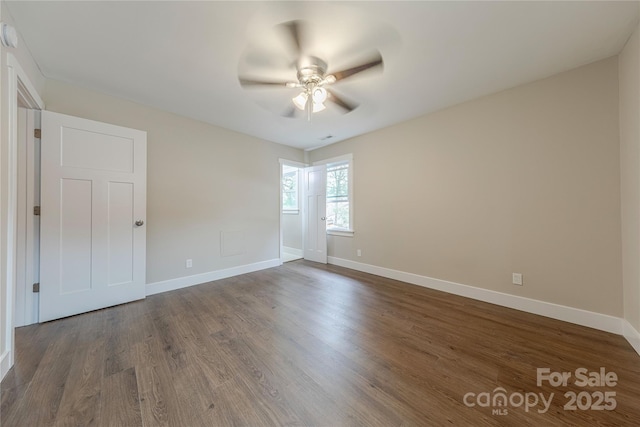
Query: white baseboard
[292, 251]
[197, 279]
[555, 311]
[632, 335]
[5, 363]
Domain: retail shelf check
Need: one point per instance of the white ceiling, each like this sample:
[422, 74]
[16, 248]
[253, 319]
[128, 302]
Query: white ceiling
[185, 57]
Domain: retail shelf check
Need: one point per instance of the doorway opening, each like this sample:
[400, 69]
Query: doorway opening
[291, 213]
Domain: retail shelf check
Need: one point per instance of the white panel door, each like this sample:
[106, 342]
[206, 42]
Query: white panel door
[93, 207]
[315, 212]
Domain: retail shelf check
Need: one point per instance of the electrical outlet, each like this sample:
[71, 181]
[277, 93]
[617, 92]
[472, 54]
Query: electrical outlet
[189, 263]
[359, 252]
[517, 279]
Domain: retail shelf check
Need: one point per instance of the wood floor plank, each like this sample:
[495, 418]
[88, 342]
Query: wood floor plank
[200, 349]
[10, 397]
[80, 404]
[159, 401]
[41, 400]
[31, 344]
[120, 404]
[118, 355]
[325, 365]
[262, 376]
[156, 397]
[306, 344]
[200, 401]
[172, 343]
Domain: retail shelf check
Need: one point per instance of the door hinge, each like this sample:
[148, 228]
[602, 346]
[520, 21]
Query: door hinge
[36, 287]
[37, 133]
[36, 210]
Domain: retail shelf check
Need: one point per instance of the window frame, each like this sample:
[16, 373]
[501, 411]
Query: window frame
[347, 158]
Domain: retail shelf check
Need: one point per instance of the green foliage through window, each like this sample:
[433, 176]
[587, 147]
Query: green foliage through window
[338, 196]
[289, 188]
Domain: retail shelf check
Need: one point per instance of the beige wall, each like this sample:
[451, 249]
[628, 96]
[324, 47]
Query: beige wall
[525, 180]
[629, 69]
[201, 180]
[22, 54]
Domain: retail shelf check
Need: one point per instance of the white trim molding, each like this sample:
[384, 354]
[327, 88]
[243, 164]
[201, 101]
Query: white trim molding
[24, 88]
[19, 86]
[198, 279]
[341, 233]
[292, 163]
[578, 316]
[338, 159]
[631, 335]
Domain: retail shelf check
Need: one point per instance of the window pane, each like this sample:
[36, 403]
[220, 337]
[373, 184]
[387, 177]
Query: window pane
[338, 181]
[289, 200]
[338, 214]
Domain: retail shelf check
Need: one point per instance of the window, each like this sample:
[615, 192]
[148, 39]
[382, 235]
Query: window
[290, 189]
[339, 195]
[338, 209]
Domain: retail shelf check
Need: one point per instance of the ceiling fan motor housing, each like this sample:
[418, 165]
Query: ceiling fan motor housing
[311, 71]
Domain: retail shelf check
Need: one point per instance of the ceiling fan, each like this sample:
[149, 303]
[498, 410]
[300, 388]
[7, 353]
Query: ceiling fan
[312, 76]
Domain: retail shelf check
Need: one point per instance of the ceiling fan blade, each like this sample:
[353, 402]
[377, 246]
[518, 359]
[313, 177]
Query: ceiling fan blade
[341, 102]
[245, 82]
[290, 112]
[375, 61]
[262, 59]
[294, 30]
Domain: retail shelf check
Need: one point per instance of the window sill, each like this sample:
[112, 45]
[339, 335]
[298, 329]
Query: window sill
[291, 212]
[343, 233]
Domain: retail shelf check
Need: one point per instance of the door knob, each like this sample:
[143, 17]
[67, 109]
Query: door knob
[323, 218]
[139, 223]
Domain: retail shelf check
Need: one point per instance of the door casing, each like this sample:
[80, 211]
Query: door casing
[19, 88]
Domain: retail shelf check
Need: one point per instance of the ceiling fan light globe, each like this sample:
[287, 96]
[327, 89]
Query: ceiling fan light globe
[319, 95]
[300, 101]
[318, 106]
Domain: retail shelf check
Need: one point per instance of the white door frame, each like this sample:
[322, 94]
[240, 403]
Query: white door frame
[27, 231]
[301, 165]
[19, 87]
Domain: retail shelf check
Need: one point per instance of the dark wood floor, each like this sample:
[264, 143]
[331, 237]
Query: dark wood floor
[312, 345]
